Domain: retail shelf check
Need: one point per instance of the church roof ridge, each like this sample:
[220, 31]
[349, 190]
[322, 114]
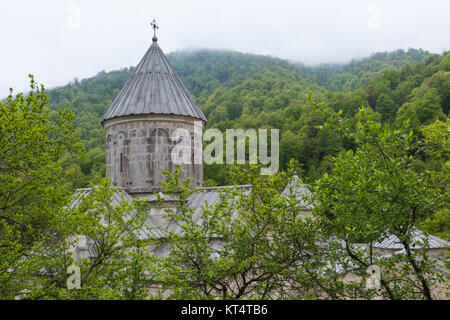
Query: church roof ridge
[224, 187]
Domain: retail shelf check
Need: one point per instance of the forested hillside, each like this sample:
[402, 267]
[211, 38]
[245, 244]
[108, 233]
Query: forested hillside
[358, 73]
[237, 90]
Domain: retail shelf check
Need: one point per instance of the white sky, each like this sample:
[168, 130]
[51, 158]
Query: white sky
[47, 39]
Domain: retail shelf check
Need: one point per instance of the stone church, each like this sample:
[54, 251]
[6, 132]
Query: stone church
[139, 125]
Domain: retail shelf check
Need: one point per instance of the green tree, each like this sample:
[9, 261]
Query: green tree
[113, 229]
[386, 107]
[224, 251]
[437, 139]
[32, 193]
[376, 189]
[41, 225]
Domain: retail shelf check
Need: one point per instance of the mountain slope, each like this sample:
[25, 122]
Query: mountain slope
[252, 91]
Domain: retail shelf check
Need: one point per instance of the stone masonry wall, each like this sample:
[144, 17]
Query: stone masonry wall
[138, 146]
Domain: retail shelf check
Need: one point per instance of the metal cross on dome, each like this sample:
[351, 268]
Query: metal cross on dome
[154, 26]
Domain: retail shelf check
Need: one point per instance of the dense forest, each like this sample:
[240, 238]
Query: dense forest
[236, 90]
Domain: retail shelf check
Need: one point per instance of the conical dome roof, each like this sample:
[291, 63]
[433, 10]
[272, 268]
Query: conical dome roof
[154, 88]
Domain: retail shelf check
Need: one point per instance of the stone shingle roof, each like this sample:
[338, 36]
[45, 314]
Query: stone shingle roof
[300, 192]
[116, 198]
[418, 237]
[154, 88]
[157, 225]
[196, 201]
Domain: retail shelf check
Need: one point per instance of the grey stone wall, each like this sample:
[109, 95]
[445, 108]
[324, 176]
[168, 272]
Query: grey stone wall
[138, 146]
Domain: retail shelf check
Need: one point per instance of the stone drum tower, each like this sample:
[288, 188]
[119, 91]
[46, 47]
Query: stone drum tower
[140, 122]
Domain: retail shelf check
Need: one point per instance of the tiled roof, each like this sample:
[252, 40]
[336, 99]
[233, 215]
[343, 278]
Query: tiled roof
[300, 191]
[157, 225]
[203, 196]
[418, 238]
[117, 197]
[154, 88]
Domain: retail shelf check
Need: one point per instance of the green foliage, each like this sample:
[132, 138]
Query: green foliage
[437, 140]
[39, 231]
[255, 243]
[358, 73]
[438, 224]
[32, 139]
[375, 190]
[120, 266]
[386, 107]
[229, 254]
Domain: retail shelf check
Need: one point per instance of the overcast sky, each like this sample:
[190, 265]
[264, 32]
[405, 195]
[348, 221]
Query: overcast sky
[59, 40]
